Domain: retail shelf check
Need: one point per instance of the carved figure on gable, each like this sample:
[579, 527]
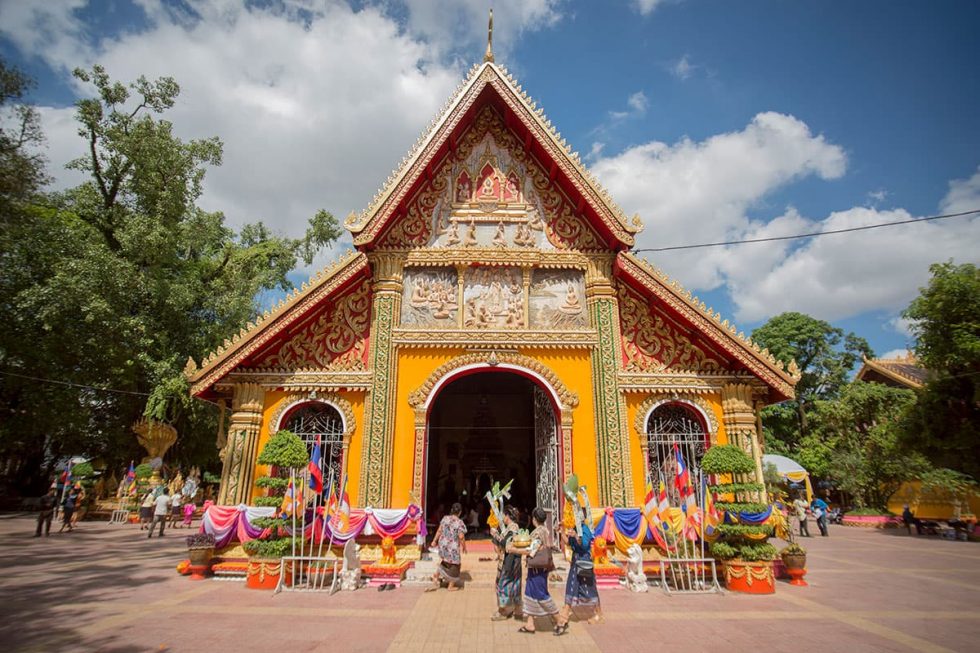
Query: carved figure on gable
[512, 191]
[572, 304]
[463, 187]
[470, 236]
[453, 237]
[500, 237]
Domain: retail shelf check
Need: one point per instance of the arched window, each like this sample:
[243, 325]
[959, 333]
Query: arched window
[673, 425]
[317, 420]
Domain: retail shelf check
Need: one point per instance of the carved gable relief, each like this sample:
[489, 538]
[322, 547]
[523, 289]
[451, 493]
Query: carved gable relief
[430, 298]
[557, 300]
[336, 339]
[493, 298]
[491, 193]
[651, 343]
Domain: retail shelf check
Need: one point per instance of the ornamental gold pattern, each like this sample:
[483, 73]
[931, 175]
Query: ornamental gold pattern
[376, 465]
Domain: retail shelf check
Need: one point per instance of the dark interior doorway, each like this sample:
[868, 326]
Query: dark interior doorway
[481, 430]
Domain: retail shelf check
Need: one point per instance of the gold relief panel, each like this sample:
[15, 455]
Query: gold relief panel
[430, 298]
[493, 298]
[557, 300]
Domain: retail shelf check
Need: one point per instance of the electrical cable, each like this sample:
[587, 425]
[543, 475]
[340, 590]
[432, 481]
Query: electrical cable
[808, 235]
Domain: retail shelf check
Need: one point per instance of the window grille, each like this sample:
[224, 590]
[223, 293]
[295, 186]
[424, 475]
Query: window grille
[323, 421]
[671, 425]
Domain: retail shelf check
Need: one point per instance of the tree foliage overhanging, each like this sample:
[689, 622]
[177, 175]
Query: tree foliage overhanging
[113, 284]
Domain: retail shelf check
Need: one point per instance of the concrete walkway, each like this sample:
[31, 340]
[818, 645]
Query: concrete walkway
[106, 588]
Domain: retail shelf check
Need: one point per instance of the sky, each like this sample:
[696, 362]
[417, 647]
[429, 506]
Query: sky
[713, 120]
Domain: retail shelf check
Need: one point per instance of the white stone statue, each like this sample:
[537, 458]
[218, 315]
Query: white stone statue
[636, 580]
[350, 574]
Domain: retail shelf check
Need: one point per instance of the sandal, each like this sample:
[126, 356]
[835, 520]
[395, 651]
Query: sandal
[432, 588]
[500, 617]
[561, 630]
[524, 629]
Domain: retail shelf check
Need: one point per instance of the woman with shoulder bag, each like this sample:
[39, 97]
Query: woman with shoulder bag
[509, 569]
[581, 593]
[537, 599]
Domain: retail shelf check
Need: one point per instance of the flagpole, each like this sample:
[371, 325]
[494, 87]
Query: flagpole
[323, 527]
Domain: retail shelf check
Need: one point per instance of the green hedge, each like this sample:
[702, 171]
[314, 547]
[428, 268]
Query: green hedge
[738, 530]
[274, 482]
[744, 506]
[284, 449]
[727, 459]
[731, 488]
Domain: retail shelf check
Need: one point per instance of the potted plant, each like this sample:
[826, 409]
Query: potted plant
[200, 550]
[283, 451]
[794, 559]
[742, 545]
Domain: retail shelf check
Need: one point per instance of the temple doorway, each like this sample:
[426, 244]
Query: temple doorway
[487, 427]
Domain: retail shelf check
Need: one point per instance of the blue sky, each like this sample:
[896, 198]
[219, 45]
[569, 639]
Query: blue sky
[713, 120]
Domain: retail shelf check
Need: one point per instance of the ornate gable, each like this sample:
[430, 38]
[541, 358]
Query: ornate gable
[528, 161]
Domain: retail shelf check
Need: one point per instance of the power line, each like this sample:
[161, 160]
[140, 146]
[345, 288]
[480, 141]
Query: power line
[75, 385]
[809, 235]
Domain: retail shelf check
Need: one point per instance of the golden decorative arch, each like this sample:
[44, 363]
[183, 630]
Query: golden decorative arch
[566, 397]
[697, 401]
[568, 400]
[336, 401]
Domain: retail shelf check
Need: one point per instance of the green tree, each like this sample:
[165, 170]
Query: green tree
[21, 162]
[825, 356]
[113, 284]
[861, 432]
[945, 321]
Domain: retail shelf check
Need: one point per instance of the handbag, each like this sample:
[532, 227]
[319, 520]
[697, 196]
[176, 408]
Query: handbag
[541, 559]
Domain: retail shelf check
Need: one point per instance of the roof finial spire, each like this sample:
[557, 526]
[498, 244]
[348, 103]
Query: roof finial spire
[489, 55]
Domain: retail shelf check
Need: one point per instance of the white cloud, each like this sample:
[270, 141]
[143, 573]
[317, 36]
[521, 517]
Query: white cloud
[901, 325]
[647, 7]
[682, 68]
[638, 102]
[895, 353]
[315, 102]
[697, 192]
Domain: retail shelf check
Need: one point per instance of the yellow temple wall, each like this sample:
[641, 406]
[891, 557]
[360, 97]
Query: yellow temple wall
[634, 403]
[417, 364]
[276, 398]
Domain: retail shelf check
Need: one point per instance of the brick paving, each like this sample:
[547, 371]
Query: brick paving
[108, 588]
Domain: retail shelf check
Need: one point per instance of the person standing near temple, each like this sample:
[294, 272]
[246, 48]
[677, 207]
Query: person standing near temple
[508, 568]
[581, 593]
[44, 518]
[146, 510]
[161, 510]
[799, 509]
[68, 509]
[450, 537]
[175, 510]
[537, 599]
[820, 509]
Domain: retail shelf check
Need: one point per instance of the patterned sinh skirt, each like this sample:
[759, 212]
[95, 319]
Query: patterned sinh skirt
[509, 590]
[537, 600]
[449, 571]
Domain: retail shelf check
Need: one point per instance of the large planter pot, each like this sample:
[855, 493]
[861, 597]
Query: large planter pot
[750, 577]
[796, 568]
[199, 560]
[263, 573]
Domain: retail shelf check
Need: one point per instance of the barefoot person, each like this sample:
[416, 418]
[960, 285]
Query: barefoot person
[537, 600]
[509, 569]
[451, 540]
[581, 594]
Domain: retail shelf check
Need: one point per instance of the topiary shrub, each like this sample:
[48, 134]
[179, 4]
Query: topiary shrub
[745, 542]
[283, 451]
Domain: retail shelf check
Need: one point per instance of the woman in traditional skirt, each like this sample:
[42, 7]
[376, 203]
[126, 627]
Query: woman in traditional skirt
[450, 537]
[508, 569]
[581, 594]
[537, 600]
[146, 510]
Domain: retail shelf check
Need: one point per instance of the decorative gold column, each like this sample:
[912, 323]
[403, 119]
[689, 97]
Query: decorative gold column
[615, 478]
[375, 485]
[741, 423]
[241, 448]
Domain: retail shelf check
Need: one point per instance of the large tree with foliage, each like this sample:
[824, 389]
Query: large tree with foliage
[945, 321]
[860, 442]
[825, 356]
[113, 284]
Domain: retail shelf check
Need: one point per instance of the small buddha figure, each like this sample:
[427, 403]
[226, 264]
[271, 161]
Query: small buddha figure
[470, 236]
[499, 238]
[572, 304]
[453, 237]
[487, 189]
[463, 190]
[420, 297]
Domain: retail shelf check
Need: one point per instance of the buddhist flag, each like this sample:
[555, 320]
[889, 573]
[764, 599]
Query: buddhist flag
[316, 474]
[291, 500]
[131, 474]
[342, 518]
[650, 505]
[652, 512]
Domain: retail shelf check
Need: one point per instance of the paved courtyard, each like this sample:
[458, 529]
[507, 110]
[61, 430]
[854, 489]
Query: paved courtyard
[106, 588]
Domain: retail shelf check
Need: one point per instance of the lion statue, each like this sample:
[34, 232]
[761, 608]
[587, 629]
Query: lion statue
[350, 574]
[388, 551]
[636, 580]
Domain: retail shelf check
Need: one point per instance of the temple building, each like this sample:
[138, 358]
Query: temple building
[900, 372]
[491, 324]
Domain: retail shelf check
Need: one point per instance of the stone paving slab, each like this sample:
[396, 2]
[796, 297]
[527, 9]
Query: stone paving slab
[109, 588]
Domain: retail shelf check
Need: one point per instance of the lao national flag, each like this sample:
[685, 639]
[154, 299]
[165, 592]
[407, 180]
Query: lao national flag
[683, 479]
[316, 474]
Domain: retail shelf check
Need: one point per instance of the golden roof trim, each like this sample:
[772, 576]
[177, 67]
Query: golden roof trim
[755, 358]
[490, 73]
[881, 366]
[226, 357]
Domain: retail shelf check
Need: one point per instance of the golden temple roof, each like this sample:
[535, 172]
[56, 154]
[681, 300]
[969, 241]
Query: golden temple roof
[904, 370]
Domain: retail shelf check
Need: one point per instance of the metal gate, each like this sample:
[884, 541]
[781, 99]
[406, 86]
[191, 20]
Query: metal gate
[671, 425]
[319, 420]
[546, 459]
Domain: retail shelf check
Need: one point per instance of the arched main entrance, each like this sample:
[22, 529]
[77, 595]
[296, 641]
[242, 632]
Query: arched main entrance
[486, 426]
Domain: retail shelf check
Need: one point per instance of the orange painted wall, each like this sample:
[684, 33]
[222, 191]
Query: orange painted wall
[416, 364]
[274, 399]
